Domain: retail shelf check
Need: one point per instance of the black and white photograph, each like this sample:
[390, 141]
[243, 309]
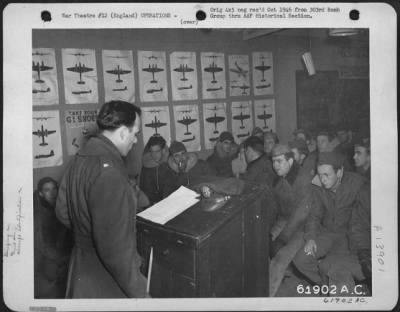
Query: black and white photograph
[279, 194]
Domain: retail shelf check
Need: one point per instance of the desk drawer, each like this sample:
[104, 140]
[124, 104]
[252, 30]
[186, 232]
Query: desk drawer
[174, 257]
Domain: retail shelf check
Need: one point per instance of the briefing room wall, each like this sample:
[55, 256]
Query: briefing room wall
[228, 42]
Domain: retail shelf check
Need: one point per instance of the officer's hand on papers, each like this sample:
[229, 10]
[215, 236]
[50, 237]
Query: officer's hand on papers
[310, 247]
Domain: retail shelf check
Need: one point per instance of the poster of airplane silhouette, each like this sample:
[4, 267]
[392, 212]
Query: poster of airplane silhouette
[183, 76]
[46, 139]
[239, 75]
[119, 80]
[152, 76]
[263, 74]
[215, 122]
[156, 122]
[44, 77]
[79, 124]
[264, 114]
[187, 126]
[213, 75]
[242, 120]
[80, 76]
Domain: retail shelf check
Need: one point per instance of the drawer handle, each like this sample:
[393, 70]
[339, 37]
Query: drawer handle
[146, 231]
[166, 252]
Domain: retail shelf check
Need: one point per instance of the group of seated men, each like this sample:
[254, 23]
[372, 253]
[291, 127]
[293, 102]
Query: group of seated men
[321, 188]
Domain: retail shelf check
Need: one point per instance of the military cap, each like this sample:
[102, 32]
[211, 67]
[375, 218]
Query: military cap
[226, 136]
[176, 147]
[331, 158]
[280, 149]
[300, 144]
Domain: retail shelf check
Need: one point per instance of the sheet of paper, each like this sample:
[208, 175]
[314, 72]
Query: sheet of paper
[167, 209]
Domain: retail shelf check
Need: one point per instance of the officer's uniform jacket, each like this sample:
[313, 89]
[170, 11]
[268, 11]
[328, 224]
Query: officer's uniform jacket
[97, 202]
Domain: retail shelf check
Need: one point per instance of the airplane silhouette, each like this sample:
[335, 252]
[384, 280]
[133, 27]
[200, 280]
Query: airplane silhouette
[78, 54]
[183, 68]
[213, 89]
[40, 91]
[45, 155]
[264, 116]
[151, 57]
[215, 119]
[242, 135]
[243, 87]
[242, 116]
[239, 71]
[117, 56]
[80, 68]
[189, 139]
[42, 118]
[40, 53]
[152, 69]
[118, 71]
[184, 88]
[40, 68]
[154, 90]
[263, 86]
[213, 68]
[155, 124]
[121, 89]
[42, 133]
[81, 92]
[262, 68]
[187, 120]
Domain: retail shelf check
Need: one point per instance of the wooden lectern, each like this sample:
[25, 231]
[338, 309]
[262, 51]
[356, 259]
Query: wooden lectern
[221, 253]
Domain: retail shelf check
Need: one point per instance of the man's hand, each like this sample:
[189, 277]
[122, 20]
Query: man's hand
[310, 247]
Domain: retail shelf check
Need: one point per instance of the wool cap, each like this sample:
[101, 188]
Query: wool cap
[257, 131]
[300, 144]
[226, 136]
[330, 158]
[280, 149]
[176, 147]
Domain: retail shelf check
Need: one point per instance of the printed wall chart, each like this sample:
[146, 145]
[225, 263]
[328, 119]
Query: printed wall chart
[47, 150]
[215, 122]
[239, 77]
[80, 76]
[152, 76]
[187, 126]
[119, 80]
[44, 77]
[156, 122]
[79, 124]
[264, 112]
[242, 120]
[213, 75]
[183, 76]
[263, 74]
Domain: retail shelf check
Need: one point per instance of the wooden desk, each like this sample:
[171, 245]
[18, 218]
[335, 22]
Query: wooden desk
[223, 253]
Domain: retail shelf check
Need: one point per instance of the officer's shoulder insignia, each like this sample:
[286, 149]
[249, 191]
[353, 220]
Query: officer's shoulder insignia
[105, 162]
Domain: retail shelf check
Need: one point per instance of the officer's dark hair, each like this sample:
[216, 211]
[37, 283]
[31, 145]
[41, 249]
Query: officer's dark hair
[115, 114]
[45, 180]
[255, 143]
[155, 140]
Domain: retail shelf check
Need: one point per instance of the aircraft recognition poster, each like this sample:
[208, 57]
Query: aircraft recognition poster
[152, 76]
[239, 77]
[156, 122]
[47, 151]
[263, 75]
[79, 124]
[213, 75]
[264, 114]
[242, 120]
[44, 77]
[215, 122]
[119, 80]
[187, 126]
[183, 76]
[80, 76]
